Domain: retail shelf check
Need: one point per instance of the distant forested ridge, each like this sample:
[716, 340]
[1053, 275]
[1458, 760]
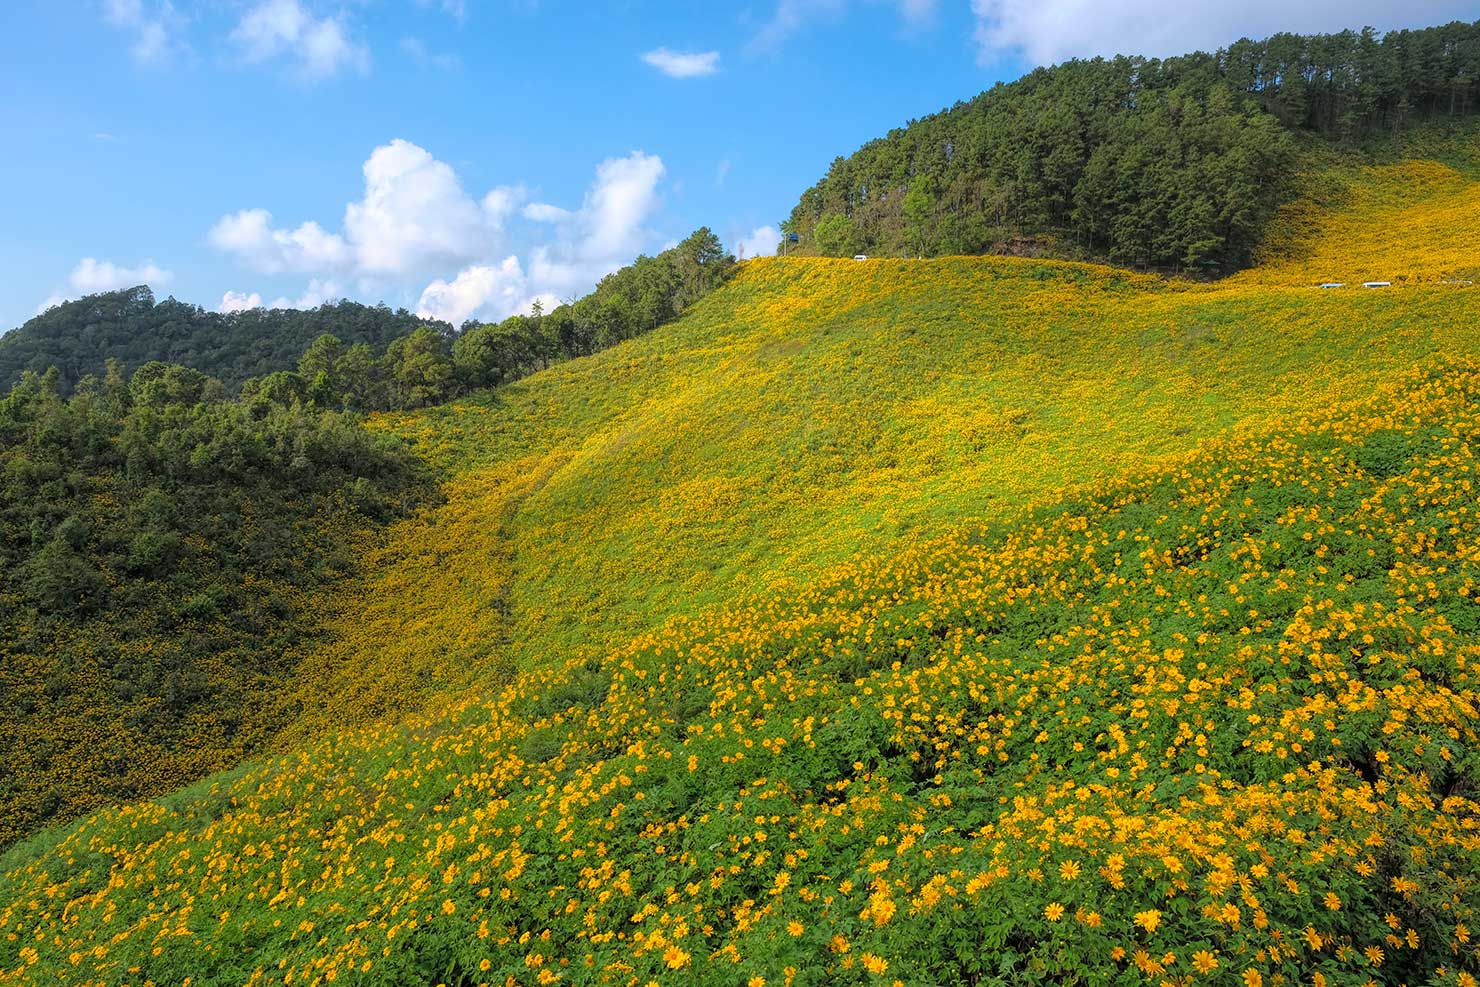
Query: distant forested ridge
[79, 337]
[1174, 163]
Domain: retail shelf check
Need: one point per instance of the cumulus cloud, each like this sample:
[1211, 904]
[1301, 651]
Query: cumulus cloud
[761, 242]
[91, 276]
[683, 65]
[415, 220]
[151, 27]
[250, 235]
[415, 214]
[1048, 31]
[608, 229]
[319, 46]
[495, 290]
[238, 301]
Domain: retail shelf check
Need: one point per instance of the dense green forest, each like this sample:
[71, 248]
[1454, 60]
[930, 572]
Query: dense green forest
[1174, 163]
[79, 337]
[156, 540]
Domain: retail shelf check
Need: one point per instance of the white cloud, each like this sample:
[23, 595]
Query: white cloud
[496, 291]
[620, 201]
[91, 276]
[1048, 31]
[416, 220]
[683, 65]
[151, 27]
[51, 303]
[607, 231]
[237, 301]
[320, 46]
[415, 214]
[317, 293]
[249, 235]
[543, 212]
[792, 15]
[761, 242]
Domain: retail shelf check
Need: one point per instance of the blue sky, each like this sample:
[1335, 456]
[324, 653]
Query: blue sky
[464, 157]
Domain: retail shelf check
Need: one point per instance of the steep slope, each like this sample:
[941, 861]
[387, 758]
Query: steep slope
[877, 736]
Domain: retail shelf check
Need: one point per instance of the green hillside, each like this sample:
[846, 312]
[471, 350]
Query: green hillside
[80, 337]
[955, 621]
[1176, 164]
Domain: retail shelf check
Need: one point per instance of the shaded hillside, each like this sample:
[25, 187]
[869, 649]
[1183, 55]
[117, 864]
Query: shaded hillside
[160, 548]
[1175, 163]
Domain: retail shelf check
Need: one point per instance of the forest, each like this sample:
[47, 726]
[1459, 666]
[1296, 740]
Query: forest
[79, 337]
[1173, 164]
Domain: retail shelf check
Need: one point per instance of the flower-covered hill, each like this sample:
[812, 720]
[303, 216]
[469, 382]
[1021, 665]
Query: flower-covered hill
[1218, 723]
[946, 622]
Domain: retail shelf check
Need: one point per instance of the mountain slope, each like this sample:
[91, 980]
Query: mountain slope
[1174, 163]
[876, 735]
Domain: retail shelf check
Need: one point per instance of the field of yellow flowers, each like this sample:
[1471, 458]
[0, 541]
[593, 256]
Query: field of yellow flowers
[949, 622]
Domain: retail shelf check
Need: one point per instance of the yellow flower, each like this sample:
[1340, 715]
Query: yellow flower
[1253, 978]
[1204, 961]
[1054, 911]
[448, 907]
[756, 981]
[1332, 901]
[1314, 938]
[874, 964]
[676, 958]
[1069, 870]
[795, 928]
[1149, 919]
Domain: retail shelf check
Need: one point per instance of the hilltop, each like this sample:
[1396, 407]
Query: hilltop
[130, 327]
[1173, 164]
[882, 619]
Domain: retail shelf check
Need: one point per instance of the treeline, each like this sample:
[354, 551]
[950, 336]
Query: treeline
[129, 326]
[158, 540]
[1174, 163]
[427, 366]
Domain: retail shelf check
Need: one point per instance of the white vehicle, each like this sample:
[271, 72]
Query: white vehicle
[1333, 284]
[1377, 284]
[860, 256]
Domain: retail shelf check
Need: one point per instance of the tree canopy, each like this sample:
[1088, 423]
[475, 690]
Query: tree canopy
[79, 337]
[1174, 163]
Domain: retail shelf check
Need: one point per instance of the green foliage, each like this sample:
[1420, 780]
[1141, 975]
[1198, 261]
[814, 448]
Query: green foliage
[1172, 164]
[155, 539]
[835, 236]
[79, 337]
[641, 296]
